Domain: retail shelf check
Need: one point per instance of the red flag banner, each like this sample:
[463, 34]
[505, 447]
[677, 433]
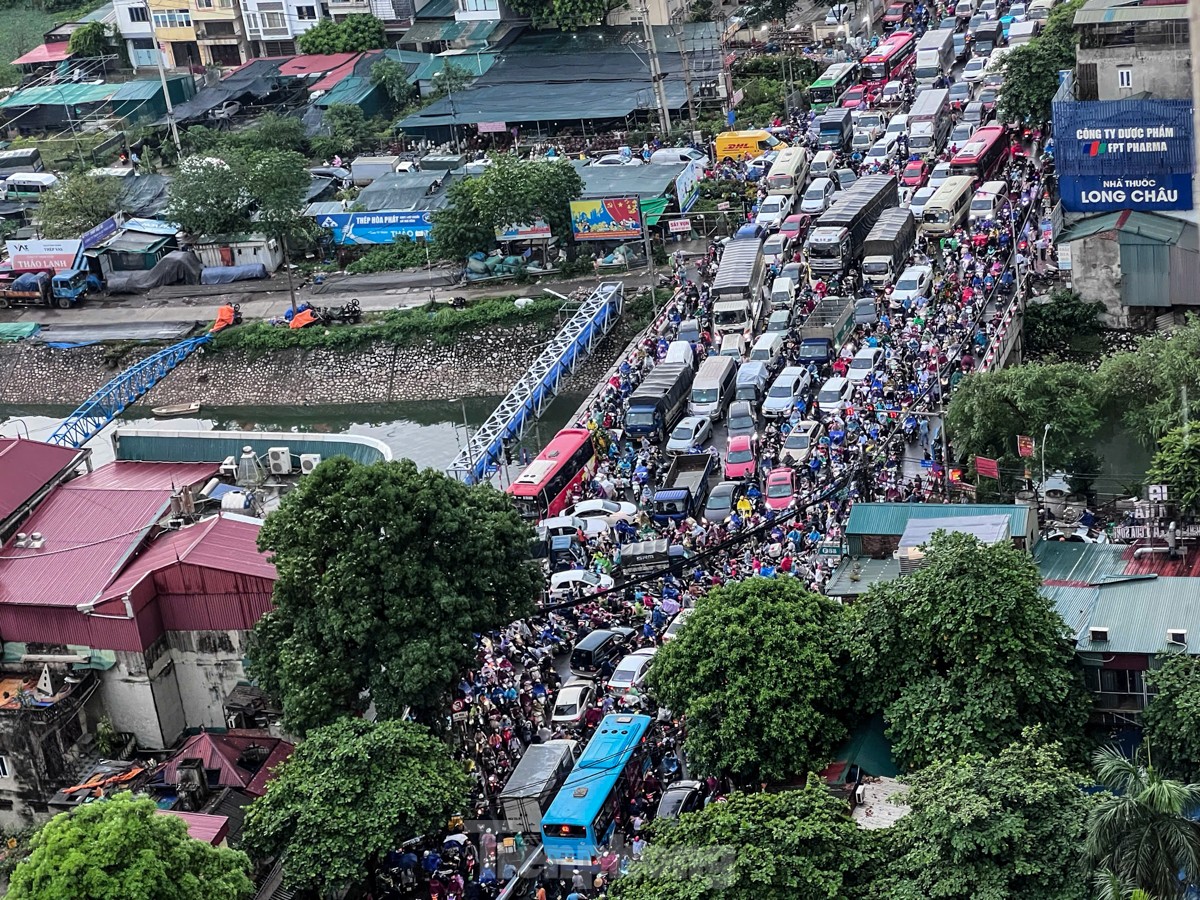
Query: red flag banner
[989, 468]
[1025, 445]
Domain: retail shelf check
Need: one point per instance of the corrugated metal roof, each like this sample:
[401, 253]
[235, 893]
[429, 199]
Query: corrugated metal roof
[1074, 604]
[1088, 227]
[1100, 12]
[891, 518]
[1071, 564]
[201, 826]
[1154, 227]
[214, 446]
[59, 95]
[44, 53]
[142, 89]
[628, 181]
[125, 475]
[475, 64]
[221, 752]
[854, 576]
[28, 466]
[1138, 613]
[1187, 565]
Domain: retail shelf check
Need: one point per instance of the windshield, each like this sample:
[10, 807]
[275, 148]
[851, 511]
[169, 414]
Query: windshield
[780, 391]
[645, 417]
[829, 396]
[908, 283]
[704, 395]
[981, 204]
[744, 392]
[770, 206]
[741, 421]
[622, 676]
[937, 216]
[821, 93]
[566, 709]
[683, 433]
[927, 72]
[729, 316]
[861, 364]
[824, 251]
[877, 71]
[797, 441]
[919, 142]
[815, 192]
[779, 489]
[875, 268]
[870, 120]
[740, 456]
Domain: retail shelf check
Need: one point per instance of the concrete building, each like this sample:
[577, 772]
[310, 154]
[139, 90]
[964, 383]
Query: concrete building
[1130, 48]
[220, 32]
[133, 24]
[175, 32]
[659, 12]
[272, 26]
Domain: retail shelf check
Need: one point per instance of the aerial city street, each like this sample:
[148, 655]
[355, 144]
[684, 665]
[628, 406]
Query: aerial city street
[647, 450]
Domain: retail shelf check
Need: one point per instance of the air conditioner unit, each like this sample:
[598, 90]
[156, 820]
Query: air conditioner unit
[229, 468]
[1176, 636]
[279, 460]
[308, 462]
[1098, 635]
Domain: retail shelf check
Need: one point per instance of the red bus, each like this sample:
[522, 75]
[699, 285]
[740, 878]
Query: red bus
[889, 60]
[544, 487]
[983, 154]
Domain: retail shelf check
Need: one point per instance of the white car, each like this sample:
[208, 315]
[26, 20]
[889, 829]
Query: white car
[990, 8]
[975, 69]
[773, 211]
[863, 139]
[864, 363]
[785, 391]
[776, 245]
[883, 151]
[961, 134]
[893, 93]
[897, 125]
[582, 581]
[938, 176]
[912, 283]
[572, 702]
[559, 525]
[678, 622]
[800, 443]
[692, 431]
[610, 511]
[616, 159]
[631, 672]
[918, 201]
[818, 196]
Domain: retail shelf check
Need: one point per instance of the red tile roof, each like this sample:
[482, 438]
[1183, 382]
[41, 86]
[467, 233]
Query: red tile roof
[1187, 566]
[28, 466]
[202, 826]
[46, 53]
[219, 753]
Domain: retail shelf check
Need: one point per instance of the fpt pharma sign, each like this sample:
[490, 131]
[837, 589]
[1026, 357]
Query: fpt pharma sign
[1123, 147]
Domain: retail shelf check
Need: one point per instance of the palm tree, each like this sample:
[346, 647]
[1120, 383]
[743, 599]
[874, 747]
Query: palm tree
[1112, 887]
[1141, 834]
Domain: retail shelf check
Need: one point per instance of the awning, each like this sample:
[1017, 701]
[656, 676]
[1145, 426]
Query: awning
[46, 53]
[1160, 229]
[451, 30]
[654, 207]
[60, 95]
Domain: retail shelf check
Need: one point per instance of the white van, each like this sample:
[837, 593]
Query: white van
[1039, 11]
[823, 164]
[783, 293]
[681, 352]
[987, 200]
[713, 388]
[768, 349]
[788, 172]
[964, 9]
[1023, 32]
[833, 394]
[734, 345]
[669, 156]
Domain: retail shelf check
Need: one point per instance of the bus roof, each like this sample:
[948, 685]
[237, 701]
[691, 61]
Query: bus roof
[560, 448]
[834, 72]
[588, 786]
[895, 41]
[980, 141]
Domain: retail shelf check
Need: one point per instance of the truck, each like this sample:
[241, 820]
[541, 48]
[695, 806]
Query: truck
[935, 55]
[737, 289]
[835, 130]
[534, 782]
[43, 288]
[659, 401]
[826, 328]
[835, 243]
[685, 489]
[888, 245]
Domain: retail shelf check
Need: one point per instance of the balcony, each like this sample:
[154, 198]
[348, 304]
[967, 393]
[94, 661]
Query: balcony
[220, 32]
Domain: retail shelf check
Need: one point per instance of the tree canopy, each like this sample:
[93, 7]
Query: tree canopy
[1171, 722]
[239, 192]
[385, 573]
[91, 40]
[77, 203]
[353, 34]
[124, 848]
[510, 191]
[760, 846]
[965, 652]
[1176, 463]
[565, 14]
[1153, 387]
[394, 78]
[351, 792]
[1061, 326]
[990, 828]
[1031, 70]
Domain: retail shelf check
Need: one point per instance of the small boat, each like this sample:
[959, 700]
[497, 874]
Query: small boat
[177, 409]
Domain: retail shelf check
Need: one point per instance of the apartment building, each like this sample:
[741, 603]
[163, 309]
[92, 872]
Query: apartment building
[220, 32]
[272, 26]
[133, 23]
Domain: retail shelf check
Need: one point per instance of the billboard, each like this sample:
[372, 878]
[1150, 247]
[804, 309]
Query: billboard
[1124, 154]
[538, 230]
[602, 220]
[57, 255]
[687, 186]
[381, 227]
[93, 237]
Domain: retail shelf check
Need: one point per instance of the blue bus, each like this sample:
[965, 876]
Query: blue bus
[582, 815]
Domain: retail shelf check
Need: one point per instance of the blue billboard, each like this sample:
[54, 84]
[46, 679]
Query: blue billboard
[1124, 154]
[377, 227]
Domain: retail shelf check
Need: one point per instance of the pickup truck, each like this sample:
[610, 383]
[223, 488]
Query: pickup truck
[684, 489]
[43, 288]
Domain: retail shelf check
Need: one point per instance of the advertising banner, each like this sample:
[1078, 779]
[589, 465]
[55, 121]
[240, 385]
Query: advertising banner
[1024, 445]
[95, 236]
[687, 187]
[377, 227]
[601, 220]
[988, 468]
[57, 255]
[538, 229]
[1095, 194]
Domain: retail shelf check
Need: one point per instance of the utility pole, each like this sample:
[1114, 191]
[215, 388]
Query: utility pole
[687, 70]
[656, 73]
[162, 76]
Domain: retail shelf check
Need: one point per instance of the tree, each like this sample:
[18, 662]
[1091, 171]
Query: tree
[1172, 720]
[77, 203]
[451, 79]
[385, 573]
[348, 132]
[1177, 463]
[354, 34]
[1141, 832]
[394, 78]
[567, 15]
[1000, 826]
[722, 674]
[123, 848]
[989, 409]
[209, 196]
[351, 792]
[1031, 71]
[270, 132]
[777, 846]
[1058, 325]
[964, 653]
[510, 191]
[91, 40]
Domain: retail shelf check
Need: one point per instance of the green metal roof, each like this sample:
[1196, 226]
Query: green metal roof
[891, 518]
[1102, 12]
[145, 89]
[352, 89]
[629, 181]
[1073, 604]
[149, 445]
[437, 9]
[61, 94]
[474, 64]
[869, 572]
[1073, 564]
[1089, 227]
[1138, 613]
[468, 32]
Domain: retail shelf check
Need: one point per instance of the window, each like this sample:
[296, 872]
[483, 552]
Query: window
[477, 5]
[172, 18]
[274, 20]
[1125, 78]
[4, 770]
[1085, 82]
[306, 13]
[142, 43]
[138, 13]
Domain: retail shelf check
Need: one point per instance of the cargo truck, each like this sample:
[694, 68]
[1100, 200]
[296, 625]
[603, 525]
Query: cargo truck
[935, 55]
[835, 242]
[659, 401]
[534, 782]
[825, 329]
[887, 246]
[685, 488]
[737, 289]
[43, 288]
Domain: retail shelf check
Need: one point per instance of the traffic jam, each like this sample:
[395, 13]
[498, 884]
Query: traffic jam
[800, 367]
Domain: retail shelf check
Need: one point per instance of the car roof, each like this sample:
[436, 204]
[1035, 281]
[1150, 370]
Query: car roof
[781, 474]
[739, 440]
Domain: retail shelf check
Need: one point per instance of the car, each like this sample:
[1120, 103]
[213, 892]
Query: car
[800, 442]
[871, 119]
[915, 173]
[794, 271]
[918, 200]
[961, 94]
[854, 97]
[721, 500]
[844, 179]
[226, 110]
[776, 245]
[630, 673]
[961, 134]
[837, 13]
[681, 797]
[862, 140]
[897, 125]
[795, 227]
[779, 322]
[742, 419]
[1016, 14]
[611, 511]
[760, 166]
[785, 391]
[948, 23]
[689, 330]
[989, 97]
[939, 174]
[974, 24]
[975, 69]
[818, 196]
[781, 488]
[741, 459]
[977, 114]
[773, 210]
[559, 525]
[893, 94]
[572, 701]
[990, 8]
[582, 582]
[864, 363]
[681, 617]
[896, 13]
[616, 159]
[866, 311]
[883, 151]
[913, 282]
[692, 431]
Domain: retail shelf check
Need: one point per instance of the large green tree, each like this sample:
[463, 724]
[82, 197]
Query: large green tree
[760, 846]
[1176, 464]
[77, 203]
[1171, 722]
[1154, 387]
[209, 196]
[351, 792]
[511, 191]
[91, 40]
[724, 674]
[1141, 832]
[124, 848]
[385, 573]
[1063, 325]
[992, 828]
[965, 652]
[353, 34]
[1031, 71]
[565, 14]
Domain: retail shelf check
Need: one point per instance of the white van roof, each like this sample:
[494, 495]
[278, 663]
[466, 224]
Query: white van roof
[45, 179]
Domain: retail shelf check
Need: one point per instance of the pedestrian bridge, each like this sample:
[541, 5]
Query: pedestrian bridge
[530, 396]
[127, 388]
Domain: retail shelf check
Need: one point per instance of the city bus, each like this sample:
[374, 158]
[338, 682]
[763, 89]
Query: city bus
[983, 155]
[544, 488]
[889, 60]
[582, 815]
[827, 90]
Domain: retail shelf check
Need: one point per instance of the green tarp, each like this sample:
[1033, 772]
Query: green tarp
[17, 331]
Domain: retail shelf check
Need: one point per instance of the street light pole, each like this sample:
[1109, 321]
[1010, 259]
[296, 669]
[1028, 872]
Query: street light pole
[1045, 438]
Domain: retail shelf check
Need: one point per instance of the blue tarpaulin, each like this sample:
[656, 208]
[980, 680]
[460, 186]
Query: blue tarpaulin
[227, 274]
